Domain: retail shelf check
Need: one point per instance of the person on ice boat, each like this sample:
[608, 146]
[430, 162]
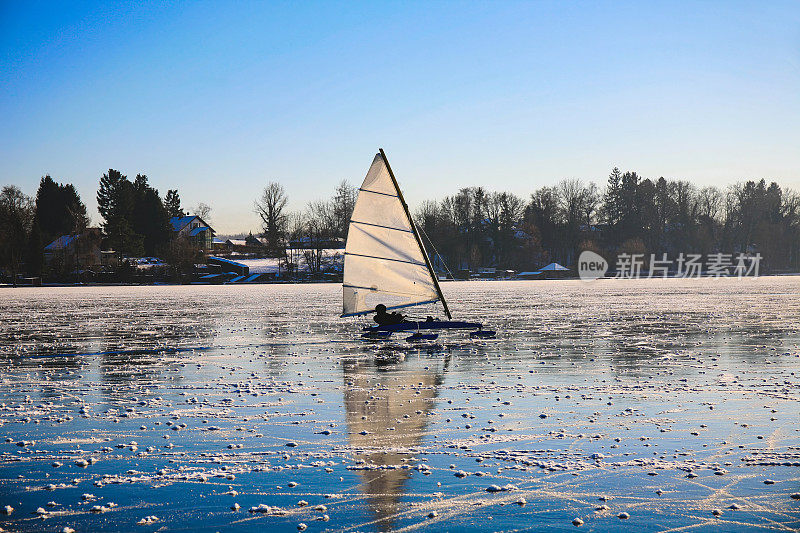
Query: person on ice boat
[384, 257]
[385, 319]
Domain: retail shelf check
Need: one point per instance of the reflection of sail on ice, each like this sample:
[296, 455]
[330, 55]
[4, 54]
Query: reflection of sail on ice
[377, 399]
[385, 260]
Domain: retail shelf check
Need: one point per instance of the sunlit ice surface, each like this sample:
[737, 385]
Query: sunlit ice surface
[630, 405]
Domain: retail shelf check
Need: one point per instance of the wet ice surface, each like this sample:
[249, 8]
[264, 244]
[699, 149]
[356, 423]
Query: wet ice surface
[616, 405]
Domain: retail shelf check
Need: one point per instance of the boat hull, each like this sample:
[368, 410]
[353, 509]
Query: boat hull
[425, 325]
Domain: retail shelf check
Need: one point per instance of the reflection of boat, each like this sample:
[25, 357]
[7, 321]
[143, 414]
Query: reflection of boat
[386, 409]
[385, 261]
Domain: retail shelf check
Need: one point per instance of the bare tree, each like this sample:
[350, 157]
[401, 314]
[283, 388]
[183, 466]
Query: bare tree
[791, 215]
[685, 197]
[16, 218]
[273, 219]
[510, 212]
[203, 211]
[574, 200]
[343, 202]
[711, 201]
[511, 209]
[570, 198]
[318, 227]
[295, 229]
[589, 202]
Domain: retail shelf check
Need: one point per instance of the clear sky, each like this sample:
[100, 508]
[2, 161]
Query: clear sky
[218, 98]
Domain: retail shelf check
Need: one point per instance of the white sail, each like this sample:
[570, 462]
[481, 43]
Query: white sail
[383, 261]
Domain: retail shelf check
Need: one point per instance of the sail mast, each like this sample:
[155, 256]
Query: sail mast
[416, 235]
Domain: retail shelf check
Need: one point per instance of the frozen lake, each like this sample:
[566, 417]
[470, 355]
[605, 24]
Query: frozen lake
[670, 403]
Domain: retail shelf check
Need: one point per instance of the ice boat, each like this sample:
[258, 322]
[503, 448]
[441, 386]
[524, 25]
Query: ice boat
[385, 261]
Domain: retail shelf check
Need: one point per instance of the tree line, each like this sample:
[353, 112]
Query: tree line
[473, 228]
[480, 228]
[630, 215]
[135, 219]
[28, 224]
[305, 234]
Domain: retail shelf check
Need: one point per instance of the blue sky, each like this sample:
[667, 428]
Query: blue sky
[218, 98]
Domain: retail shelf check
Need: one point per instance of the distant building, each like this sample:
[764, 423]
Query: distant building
[80, 251]
[248, 245]
[594, 232]
[254, 242]
[195, 229]
[236, 244]
[307, 243]
[218, 245]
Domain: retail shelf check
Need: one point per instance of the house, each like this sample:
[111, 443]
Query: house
[218, 245]
[195, 229]
[248, 245]
[594, 232]
[309, 243]
[79, 251]
[236, 245]
[254, 242]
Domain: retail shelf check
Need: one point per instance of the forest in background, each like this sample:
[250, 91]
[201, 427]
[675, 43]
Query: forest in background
[476, 227]
[471, 229]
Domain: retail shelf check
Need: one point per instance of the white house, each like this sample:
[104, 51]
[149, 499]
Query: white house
[195, 229]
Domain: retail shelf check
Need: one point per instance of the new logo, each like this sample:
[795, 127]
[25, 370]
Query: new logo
[591, 266]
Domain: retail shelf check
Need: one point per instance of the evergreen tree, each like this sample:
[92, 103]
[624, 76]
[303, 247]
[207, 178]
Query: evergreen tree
[172, 203]
[151, 220]
[612, 202]
[113, 196]
[630, 214]
[136, 221]
[59, 210]
[115, 201]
